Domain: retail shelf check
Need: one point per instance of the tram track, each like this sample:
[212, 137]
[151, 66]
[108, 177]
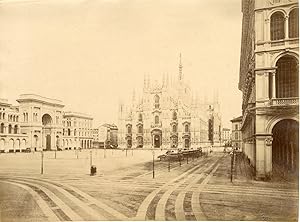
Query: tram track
[155, 202]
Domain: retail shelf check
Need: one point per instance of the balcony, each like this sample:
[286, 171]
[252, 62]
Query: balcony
[279, 44]
[294, 101]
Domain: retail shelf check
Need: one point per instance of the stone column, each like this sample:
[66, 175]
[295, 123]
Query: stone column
[268, 156]
[273, 84]
[286, 27]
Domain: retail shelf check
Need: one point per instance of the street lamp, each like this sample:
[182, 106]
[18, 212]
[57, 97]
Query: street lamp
[153, 173]
[91, 158]
[42, 162]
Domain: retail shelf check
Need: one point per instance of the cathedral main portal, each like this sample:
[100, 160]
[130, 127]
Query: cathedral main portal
[157, 141]
[156, 138]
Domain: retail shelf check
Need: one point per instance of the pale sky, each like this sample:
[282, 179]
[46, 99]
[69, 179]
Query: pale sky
[89, 53]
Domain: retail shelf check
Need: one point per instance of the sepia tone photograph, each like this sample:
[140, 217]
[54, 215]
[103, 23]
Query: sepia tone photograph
[147, 110]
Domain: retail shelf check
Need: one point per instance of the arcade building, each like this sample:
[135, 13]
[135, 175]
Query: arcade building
[269, 81]
[39, 123]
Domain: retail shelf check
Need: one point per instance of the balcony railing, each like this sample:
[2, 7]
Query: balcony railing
[285, 101]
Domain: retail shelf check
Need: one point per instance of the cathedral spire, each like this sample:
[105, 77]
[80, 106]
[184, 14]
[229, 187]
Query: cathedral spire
[168, 80]
[180, 68]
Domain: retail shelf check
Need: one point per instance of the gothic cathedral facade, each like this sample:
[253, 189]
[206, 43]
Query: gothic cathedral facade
[167, 115]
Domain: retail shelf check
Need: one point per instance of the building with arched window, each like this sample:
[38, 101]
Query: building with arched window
[78, 130]
[38, 123]
[269, 81]
[165, 116]
[106, 136]
[11, 138]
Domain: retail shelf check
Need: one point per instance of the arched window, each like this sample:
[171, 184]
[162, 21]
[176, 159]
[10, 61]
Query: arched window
[186, 128]
[174, 128]
[9, 129]
[277, 26]
[140, 117]
[74, 132]
[69, 132]
[140, 129]
[287, 77]
[129, 129]
[156, 101]
[156, 120]
[2, 128]
[294, 23]
[174, 116]
[16, 129]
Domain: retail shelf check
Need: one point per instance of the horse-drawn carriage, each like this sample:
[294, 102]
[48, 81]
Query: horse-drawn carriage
[181, 154]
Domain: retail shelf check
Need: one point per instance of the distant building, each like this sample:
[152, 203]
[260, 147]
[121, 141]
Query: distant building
[226, 136]
[106, 135]
[11, 137]
[214, 124]
[77, 131]
[236, 135]
[37, 123]
[41, 119]
[167, 115]
[269, 81]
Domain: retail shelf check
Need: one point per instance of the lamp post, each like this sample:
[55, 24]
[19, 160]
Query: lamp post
[104, 153]
[91, 157]
[153, 173]
[42, 162]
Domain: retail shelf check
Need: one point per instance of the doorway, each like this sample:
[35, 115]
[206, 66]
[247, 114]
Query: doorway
[157, 141]
[48, 142]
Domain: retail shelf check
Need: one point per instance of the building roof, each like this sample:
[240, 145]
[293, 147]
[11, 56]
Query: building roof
[111, 126]
[77, 114]
[40, 99]
[237, 119]
[4, 102]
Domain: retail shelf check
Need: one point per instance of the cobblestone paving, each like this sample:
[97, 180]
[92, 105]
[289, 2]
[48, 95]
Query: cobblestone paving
[199, 190]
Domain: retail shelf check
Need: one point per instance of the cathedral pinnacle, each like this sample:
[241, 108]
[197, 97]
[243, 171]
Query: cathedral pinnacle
[180, 68]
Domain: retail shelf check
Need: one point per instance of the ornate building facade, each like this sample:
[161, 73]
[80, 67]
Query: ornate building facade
[38, 123]
[11, 138]
[77, 130]
[269, 83]
[167, 115]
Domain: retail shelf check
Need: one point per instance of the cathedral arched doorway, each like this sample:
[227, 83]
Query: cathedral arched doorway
[186, 143]
[156, 138]
[157, 141]
[174, 141]
[285, 146]
[140, 142]
[129, 142]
